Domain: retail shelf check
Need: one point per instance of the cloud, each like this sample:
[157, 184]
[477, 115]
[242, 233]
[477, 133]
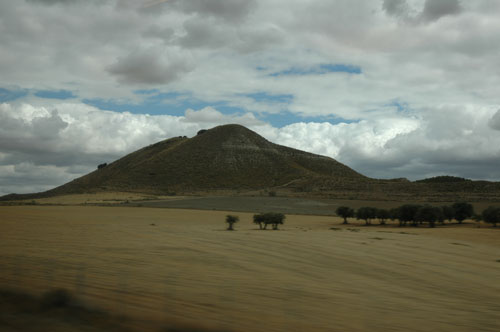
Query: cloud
[59, 144]
[432, 10]
[495, 121]
[435, 9]
[451, 140]
[234, 11]
[398, 8]
[152, 66]
[211, 116]
[56, 145]
[52, 2]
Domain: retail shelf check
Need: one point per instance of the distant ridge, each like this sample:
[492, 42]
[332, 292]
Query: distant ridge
[443, 179]
[232, 159]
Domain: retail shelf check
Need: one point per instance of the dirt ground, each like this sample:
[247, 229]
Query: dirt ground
[162, 265]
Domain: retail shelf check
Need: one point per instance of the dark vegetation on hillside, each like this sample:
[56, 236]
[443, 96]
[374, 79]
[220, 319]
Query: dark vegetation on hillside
[443, 179]
[225, 157]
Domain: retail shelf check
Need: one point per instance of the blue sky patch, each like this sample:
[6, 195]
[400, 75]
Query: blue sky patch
[9, 95]
[319, 70]
[270, 98]
[176, 104]
[55, 94]
[283, 119]
[147, 92]
[170, 103]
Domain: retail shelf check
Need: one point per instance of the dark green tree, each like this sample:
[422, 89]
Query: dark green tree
[407, 213]
[272, 218]
[345, 212]
[491, 215]
[429, 214]
[383, 215]
[448, 213]
[367, 214]
[230, 219]
[463, 211]
[394, 214]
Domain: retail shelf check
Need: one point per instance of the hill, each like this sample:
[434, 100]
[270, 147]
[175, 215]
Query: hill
[229, 157]
[443, 179]
[232, 159]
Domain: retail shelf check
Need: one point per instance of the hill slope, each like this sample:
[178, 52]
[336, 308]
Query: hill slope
[225, 157]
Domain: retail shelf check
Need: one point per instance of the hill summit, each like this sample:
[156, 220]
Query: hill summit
[228, 157]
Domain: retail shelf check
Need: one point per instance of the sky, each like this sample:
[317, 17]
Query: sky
[391, 88]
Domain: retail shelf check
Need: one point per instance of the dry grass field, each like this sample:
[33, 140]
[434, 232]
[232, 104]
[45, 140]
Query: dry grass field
[158, 266]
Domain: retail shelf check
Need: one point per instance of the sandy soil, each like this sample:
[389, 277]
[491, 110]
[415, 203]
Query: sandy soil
[166, 264]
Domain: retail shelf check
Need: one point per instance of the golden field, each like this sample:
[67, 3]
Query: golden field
[171, 265]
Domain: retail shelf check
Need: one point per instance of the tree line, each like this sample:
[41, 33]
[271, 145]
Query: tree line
[263, 220]
[407, 214]
[414, 214]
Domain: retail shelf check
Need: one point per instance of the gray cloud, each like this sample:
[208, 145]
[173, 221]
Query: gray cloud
[494, 122]
[210, 117]
[432, 10]
[151, 66]
[396, 7]
[440, 141]
[234, 11]
[206, 33]
[435, 9]
[52, 2]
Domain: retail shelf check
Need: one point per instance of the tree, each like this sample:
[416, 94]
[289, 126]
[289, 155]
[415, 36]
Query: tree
[383, 215]
[394, 214]
[231, 220]
[366, 214]
[272, 218]
[258, 219]
[491, 215]
[448, 213]
[407, 213]
[428, 214]
[463, 211]
[345, 212]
